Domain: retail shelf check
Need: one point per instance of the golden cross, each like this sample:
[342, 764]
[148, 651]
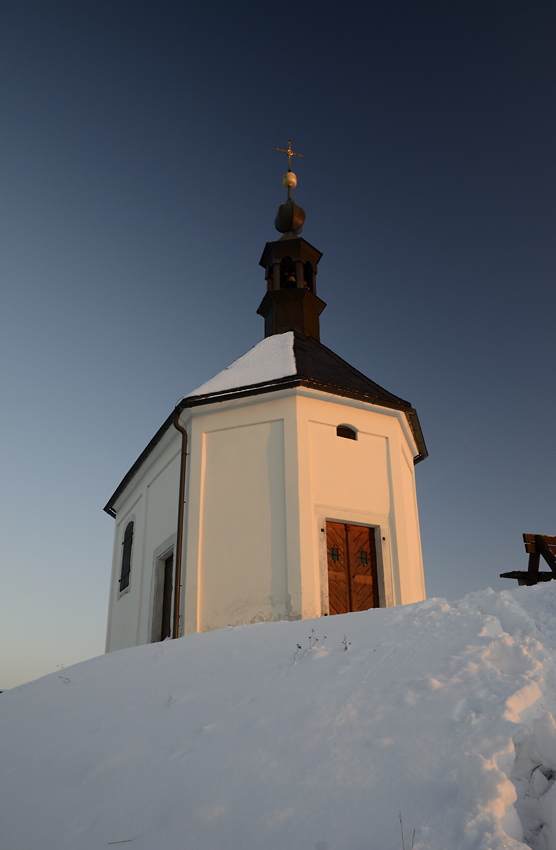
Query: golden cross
[290, 153]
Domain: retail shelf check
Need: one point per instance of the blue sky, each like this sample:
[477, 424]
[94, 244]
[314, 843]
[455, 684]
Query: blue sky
[138, 186]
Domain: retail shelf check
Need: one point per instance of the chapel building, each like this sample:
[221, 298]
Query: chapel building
[281, 489]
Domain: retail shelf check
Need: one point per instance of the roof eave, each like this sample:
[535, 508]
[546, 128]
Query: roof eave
[289, 382]
[109, 506]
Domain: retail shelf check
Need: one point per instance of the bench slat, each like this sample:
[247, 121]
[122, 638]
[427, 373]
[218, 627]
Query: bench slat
[531, 548]
[549, 539]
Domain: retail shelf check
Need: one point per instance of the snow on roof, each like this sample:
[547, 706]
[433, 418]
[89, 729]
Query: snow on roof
[288, 355]
[307, 734]
[269, 360]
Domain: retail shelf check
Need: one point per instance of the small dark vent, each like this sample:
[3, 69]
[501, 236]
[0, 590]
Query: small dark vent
[344, 431]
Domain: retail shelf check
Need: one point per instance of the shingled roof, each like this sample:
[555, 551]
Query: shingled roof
[290, 358]
[319, 365]
[284, 361]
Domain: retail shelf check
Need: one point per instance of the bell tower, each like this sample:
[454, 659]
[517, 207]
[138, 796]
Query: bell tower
[290, 264]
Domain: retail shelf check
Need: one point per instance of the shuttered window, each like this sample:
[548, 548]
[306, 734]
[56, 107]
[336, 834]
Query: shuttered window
[126, 556]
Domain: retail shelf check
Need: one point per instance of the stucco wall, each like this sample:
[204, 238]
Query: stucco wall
[151, 501]
[243, 541]
[366, 481]
[412, 581]
[124, 606]
[264, 474]
[351, 474]
[236, 547]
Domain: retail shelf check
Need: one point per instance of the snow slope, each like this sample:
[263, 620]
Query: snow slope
[309, 735]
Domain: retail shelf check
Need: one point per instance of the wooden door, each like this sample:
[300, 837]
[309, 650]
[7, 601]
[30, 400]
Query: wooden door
[352, 574]
[362, 565]
[165, 630]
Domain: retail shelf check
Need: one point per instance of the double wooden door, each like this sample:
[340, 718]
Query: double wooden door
[352, 574]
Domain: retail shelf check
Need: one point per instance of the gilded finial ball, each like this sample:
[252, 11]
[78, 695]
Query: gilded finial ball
[289, 180]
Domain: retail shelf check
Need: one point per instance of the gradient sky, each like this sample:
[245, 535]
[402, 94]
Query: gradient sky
[138, 186]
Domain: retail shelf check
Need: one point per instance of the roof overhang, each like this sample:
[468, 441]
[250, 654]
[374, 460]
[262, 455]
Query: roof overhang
[289, 382]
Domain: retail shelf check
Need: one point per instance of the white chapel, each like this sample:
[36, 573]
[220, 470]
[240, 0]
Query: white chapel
[281, 489]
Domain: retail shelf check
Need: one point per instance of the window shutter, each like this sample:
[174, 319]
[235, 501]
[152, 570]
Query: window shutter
[126, 556]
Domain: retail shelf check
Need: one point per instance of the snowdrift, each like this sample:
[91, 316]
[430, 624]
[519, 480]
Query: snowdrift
[311, 735]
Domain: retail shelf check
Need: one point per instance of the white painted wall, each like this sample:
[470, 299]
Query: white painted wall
[243, 540]
[151, 501]
[264, 473]
[361, 482]
[235, 551]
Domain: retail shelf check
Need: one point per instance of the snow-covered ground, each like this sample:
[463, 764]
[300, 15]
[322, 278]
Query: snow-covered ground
[311, 735]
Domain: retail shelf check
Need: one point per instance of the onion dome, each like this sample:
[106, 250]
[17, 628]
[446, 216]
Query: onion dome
[289, 218]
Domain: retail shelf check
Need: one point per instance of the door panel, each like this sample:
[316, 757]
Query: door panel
[338, 576]
[362, 563]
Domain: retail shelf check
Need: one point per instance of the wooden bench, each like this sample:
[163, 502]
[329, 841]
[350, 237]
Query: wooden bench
[536, 545]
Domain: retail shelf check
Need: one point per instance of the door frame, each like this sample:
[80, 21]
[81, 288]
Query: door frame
[383, 556]
[160, 555]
